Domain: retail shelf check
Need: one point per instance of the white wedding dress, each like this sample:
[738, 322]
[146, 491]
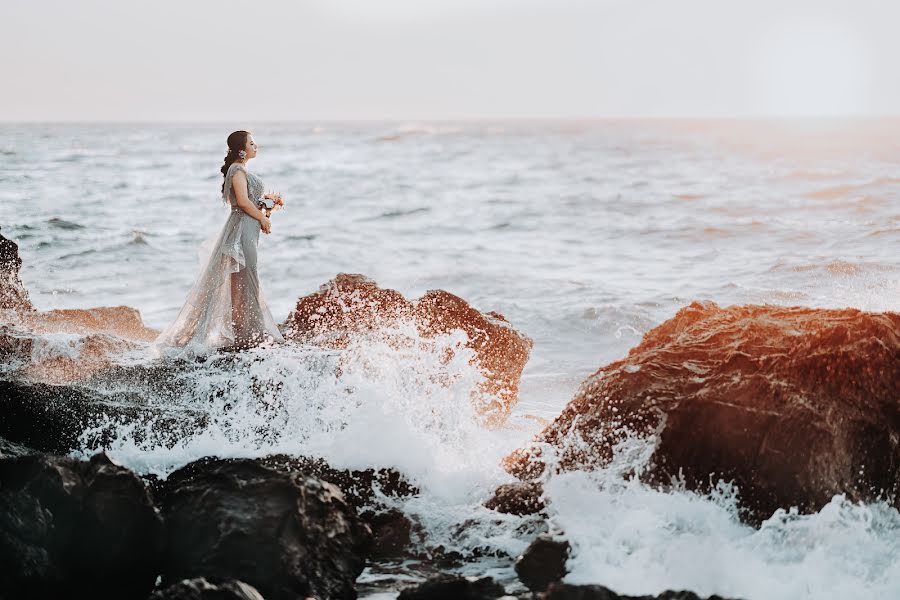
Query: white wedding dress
[225, 308]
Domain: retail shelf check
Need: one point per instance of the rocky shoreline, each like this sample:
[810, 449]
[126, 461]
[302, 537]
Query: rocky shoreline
[793, 404]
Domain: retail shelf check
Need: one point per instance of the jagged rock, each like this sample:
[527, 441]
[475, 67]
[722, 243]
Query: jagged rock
[519, 498]
[453, 587]
[565, 591]
[201, 589]
[391, 531]
[10, 449]
[52, 418]
[13, 295]
[71, 528]
[286, 533]
[358, 486]
[793, 404]
[543, 562]
[351, 304]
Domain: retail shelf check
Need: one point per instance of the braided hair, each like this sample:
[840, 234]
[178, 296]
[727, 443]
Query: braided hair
[237, 141]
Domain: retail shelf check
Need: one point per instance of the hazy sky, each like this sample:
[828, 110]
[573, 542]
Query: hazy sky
[448, 59]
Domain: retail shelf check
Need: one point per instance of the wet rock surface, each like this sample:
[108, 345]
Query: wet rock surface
[71, 528]
[543, 562]
[13, 295]
[452, 587]
[520, 498]
[201, 589]
[793, 404]
[288, 534]
[352, 304]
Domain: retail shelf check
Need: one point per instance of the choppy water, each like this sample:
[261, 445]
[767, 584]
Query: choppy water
[584, 235]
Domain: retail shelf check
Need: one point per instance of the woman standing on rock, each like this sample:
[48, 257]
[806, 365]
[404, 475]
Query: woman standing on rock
[225, 308]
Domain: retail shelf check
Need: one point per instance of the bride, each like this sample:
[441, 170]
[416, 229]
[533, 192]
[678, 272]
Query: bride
[225, 308]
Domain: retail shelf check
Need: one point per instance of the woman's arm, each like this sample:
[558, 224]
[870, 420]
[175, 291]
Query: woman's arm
[239, 182]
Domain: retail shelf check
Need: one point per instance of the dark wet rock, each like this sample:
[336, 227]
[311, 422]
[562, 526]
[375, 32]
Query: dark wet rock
[351, 305]
[565, 591]
[793, 404]
[71, 528]
[10, 449]
[286, 533]
[452, 587]
[201, 589]
[53, 418]
[13, 295]
[358, 485]
[391, 531]
[519, 498]
[543, 562]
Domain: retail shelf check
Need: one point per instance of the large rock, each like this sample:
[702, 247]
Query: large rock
[201, 589]
[69, 345]
[794, 404]
[565, 591]
[76, 529]
[543, 562]
[351, 305]
[54, 418]
[13, 295]
[64, 345]
[454, 587]
[288, 534]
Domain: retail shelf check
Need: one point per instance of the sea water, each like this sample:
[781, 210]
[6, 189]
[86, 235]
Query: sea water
[583, 234]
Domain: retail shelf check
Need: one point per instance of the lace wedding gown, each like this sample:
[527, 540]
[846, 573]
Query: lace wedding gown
[225, 308]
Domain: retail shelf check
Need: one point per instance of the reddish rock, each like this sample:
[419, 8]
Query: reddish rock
[794, 404]
[520, 498]
[353, 304]
[13, 295]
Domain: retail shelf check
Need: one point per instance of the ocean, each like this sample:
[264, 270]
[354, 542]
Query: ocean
[583, 234]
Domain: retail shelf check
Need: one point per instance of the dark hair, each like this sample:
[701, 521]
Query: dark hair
[237, 141]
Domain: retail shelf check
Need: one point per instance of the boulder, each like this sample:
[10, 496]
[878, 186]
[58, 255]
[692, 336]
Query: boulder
[71, 528]
[454, 587]
[201, 589]
[565, 591]
[351, 305]
[543, 562]
[519, 498]
[13, 295]
[53, 418]
[288, 534]
[793, 404]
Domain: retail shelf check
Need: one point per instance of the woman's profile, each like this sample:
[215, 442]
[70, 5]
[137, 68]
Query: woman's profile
[225, 308]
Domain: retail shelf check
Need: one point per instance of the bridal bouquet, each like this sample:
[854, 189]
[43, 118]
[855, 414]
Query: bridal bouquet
[270, 202]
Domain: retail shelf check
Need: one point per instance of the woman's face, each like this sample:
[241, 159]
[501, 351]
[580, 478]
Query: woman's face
[250, 148]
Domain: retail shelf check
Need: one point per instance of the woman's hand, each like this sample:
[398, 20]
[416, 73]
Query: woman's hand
[265, 224]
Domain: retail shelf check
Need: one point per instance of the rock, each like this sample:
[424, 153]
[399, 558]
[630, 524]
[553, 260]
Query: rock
[793, 404]
[453, 587]
[286, 533]
[565, 591]
[70, 346]
[391, 532]
[201, 589]
[53, 418]
[59, 346]
[519, 498]
[71, 528]
[351, 305]
[13, 295]
[358, 486]
[10, 449]
[543, 562]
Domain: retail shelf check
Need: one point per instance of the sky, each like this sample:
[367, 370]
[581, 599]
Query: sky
[311, 60]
